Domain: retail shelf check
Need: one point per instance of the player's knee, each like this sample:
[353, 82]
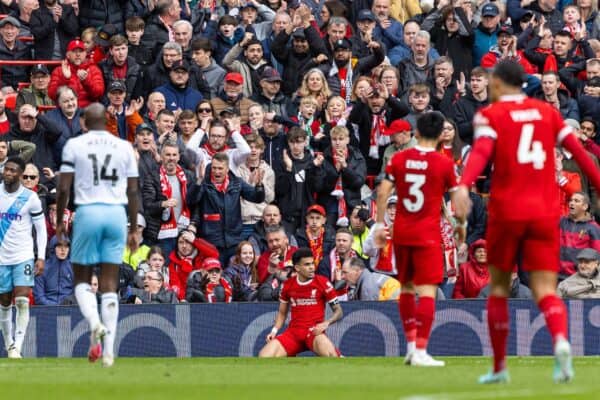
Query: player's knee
[268, 351]
[22, 302]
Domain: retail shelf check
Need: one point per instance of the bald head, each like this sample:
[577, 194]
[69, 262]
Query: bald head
[95, 117]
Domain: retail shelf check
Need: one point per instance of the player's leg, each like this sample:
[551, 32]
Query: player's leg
[406, 302]
[283, 345]
[272, 349]
[323, 346]
[23, 281]
[6, 289]
[108, 285]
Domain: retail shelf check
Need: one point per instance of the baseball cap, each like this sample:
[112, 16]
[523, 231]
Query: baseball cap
[40, 69]
[366, 15]
[10, 20]
[104, 34]
[248, 5]
[143, 127]
[270, 74]
[234, 77]
[588, 254]
[490, 10]
[299, 34]
[316, 208]
[75, 44]
[180, 64]
[229, 110]
[506, 29]
[342, 44]
[211, 263]
[392, 200]
[117, 85]
[398, 125]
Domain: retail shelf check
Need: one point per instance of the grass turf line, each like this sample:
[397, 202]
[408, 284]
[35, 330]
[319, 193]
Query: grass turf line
[288, 379]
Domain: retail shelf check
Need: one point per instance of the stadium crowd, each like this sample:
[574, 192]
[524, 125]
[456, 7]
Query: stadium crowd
[262, 127]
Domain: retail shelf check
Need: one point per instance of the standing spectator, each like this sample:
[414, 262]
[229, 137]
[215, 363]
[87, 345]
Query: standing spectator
[158, 73]
[31, 180]
[542, 8]
[269, 95]
[37, 93]
[100, 12]
[179, 95]
[12, 49]
[473, 275]
[271, 217]
[578, 87]
[182, 32]
[242, 272]
[585, 283]
[419, 67]
[467, 105]
[366, 285]
[231, 96]
[316, 234]
[486, 32]
[122, 119]
[26, 7]
[205, 65]
[119, 66]
[250, 66]
[56, 282]
[147, 153]
[278, 254]
[337, 28]
[568, 182]
[404, 49]
[401, 133]
[331, 265]
[7, 117]
[83, 76]
[134, 29]
[53, 26]
[215, 199]
[388, 30]
[445, 91]
[559, 98]
[66, 116]
[577, 231]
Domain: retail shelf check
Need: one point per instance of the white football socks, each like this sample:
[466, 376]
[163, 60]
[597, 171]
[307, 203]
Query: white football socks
[22, 320]
[110, 317]
[6, 325]
[88, 305]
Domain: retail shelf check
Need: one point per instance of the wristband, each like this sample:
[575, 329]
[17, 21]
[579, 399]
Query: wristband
[274, 331]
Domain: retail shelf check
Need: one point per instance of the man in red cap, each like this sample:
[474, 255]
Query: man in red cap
[231, 96]
[316, 235]
[84, 77]
[402, 139]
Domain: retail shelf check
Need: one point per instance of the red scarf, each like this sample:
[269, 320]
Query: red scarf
[168, 229]
[211, 152]
[221, 187]
[336, 265]
[316, 245]
[210, 288]
[377, 130]
[338, 192]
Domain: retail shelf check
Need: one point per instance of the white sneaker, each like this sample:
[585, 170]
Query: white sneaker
[13, 352]
[563, 362]
[107, 361]
[422, 359]
[408, 357]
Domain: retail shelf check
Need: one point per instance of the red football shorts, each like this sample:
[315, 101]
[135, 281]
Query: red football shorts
[536, 241]
[421, 265]
[296, 340]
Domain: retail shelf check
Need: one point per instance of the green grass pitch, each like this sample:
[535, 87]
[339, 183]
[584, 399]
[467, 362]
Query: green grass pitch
[288, 379]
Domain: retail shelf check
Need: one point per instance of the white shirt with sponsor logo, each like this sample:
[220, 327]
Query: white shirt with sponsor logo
[19, 211]
[102, 163]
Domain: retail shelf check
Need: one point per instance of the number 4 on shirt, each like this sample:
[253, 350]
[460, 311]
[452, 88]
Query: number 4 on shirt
[530, 151]
[114, 178]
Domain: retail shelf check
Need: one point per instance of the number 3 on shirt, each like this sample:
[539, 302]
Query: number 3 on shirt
[530, 151]
[414, 190]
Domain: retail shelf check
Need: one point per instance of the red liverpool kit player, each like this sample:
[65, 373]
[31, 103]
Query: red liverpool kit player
[306, 294]
[421, 176]
[518, 135]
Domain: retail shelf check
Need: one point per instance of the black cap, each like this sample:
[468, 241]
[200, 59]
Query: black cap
[342, 44]
[490, 10]
[180, 64]
[117, 85]
[40, 69]
[104, 34]
[143, 127]
[506, 29]
[229, 110]
[366, 15]
[299, 34]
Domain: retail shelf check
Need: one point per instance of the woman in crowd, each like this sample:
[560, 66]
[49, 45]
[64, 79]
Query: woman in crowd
[242, 272]
[314, 84]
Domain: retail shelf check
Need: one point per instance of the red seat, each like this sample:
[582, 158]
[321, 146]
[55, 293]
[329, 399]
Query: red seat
[11, 101]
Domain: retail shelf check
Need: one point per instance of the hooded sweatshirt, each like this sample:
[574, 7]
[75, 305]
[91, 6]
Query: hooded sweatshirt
[472, 275]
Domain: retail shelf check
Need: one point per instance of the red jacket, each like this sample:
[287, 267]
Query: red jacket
[472, 276]
[180, 268]
[491, 58]
[262, 268]
[89, 90]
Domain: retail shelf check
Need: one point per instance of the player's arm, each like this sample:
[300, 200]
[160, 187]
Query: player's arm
[335, 316]
[279, 320]
[65, 180]
[132, 208]
[384, 191]
[41, 238]
[572, 144]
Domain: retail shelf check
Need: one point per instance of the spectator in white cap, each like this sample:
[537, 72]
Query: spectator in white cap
[585, 283]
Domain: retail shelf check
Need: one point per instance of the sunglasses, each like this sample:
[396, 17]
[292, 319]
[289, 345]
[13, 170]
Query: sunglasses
[31, 177]
[207, 110]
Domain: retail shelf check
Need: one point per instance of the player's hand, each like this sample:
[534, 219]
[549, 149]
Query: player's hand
[132, 242]
[320, 328]
[39, 267]
[461, 202]
[271, 336]
[461, 233]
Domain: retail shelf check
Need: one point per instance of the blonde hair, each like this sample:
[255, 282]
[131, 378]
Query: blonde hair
[339, 130]
[304, 91]
[309, 100]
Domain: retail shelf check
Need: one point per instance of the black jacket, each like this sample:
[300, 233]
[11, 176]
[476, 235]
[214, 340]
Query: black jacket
[13, 74]
[464, 111]
[99, 12]
[133, 74]
[294, 190]
[155, 35]
[43, 28]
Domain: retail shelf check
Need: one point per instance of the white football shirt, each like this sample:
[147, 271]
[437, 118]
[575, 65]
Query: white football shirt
[102, 163]
[18, 211]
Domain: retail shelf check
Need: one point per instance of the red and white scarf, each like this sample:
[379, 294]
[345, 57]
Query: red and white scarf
[338, 192]
[221, 187]
[168, 229]
[211, 152]
[377, 132]
[316, 244]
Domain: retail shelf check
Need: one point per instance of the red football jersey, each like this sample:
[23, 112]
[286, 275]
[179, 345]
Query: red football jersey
[422, 176]
[523, 179]
[307, 300]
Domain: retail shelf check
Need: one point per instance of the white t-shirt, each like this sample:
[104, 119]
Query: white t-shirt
[18, 212]
[102, 163]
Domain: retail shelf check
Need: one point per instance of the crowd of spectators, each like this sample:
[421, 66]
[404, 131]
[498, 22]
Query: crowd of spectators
[264, 126]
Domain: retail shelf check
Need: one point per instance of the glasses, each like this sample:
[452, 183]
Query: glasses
[206, 110]
[152, 279]
[30, 177]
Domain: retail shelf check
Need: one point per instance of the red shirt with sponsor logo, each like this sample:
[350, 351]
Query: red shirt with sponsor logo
[422, 176]
[525, 132]
[307, 300]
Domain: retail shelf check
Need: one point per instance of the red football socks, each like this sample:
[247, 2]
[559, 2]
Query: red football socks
[425, 315]
[498, 324]
[555, 313]
[407, 308]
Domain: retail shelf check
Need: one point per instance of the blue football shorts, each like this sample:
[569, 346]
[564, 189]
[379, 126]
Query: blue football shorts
[16, 275]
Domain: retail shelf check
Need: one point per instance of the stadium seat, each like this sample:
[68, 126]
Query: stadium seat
[11, 101]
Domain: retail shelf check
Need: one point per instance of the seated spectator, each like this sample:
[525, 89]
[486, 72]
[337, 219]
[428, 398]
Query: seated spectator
[141, 254]
[55, 284]
[585, 283]
[270, 289]
[316, 234]
[517, 289]
[53, 26]
[155, 104]
[31, 180]
[22, 148]
[382, 260]
[187, 257]
[473, 275]
[182, 32]
[269, 94]
[578, 231]
[7, 117]
[419, 66]
[179, 95]
[66, 116]
[419, 99]
[154, 291]
[157, 74]
[314, 84]
[224, 35]
[277, 256]
[466, 106]
[208, 285]
[122, 118]
[568, 182]
[404, 49]
[78, 73]
[331, 264]
[12, 49]
[155, 261]
[37, 93]
[271, 217]
[242, 273]
[365, 285]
